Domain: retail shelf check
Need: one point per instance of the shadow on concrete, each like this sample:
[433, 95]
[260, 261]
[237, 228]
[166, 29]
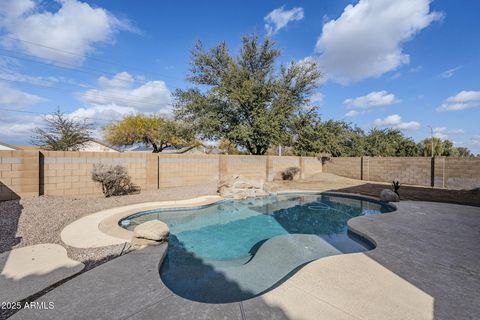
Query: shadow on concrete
[10, 212]
[9, 216]
[89, 264]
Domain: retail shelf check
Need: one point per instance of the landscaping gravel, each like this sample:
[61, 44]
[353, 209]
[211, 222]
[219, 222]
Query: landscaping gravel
[40, 220]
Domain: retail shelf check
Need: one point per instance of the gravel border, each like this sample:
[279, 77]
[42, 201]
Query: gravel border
[38, 220]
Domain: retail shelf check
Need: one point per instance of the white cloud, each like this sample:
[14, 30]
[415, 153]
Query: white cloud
[76, 27]
[371, 100]
[411, 125]
[463, 100]
[116, 97]
[366, 40]
[475, 140]
[103, 112]
[279, 18]
[388, 121]
[120, 80]
[456, 131]
[352, 113]
[14, 98]
[150, 96]
[415, 69]
[444, 133]
[395, 121]
[440, 135]
[17, 127]
[396, 76]
[449, 73]
[317, 98]
[11, 75]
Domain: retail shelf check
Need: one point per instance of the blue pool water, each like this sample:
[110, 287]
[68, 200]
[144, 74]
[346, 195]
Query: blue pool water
[234, 250]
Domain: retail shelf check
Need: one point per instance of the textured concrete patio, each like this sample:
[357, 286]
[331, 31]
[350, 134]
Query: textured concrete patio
[426, 265]
[27, 270]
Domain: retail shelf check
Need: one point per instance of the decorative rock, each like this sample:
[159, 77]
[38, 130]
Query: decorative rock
[388, 195]
[155, 230]
[237, 187]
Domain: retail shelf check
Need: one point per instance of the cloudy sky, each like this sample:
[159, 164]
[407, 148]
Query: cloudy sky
[406, 64]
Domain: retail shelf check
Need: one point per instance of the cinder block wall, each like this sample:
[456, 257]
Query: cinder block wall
[440, 172]
[70, 173]
[251, 167]
[417, 171]
[350, 167]
[19, 174]
[276, 165]
[462, 173]
[26, 174]
[188, 170]
[310, 166]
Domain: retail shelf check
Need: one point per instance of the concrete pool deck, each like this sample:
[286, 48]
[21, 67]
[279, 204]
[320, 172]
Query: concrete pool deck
[426, 265]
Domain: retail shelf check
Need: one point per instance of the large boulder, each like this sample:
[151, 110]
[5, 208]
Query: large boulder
[388, 195]
[155, 230]
[238, 187]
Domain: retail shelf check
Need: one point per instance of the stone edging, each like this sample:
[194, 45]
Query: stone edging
[101, 228]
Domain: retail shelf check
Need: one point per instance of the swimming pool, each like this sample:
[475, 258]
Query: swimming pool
[234, 250]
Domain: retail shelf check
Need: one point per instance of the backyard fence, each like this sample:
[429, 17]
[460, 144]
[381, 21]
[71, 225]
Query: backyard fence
[55, 173]
[26, 174]
[438, 172]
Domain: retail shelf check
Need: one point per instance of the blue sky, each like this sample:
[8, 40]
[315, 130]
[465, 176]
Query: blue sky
[410, 64]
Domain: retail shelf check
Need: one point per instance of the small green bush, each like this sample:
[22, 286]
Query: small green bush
[115, 180]
[290, 173]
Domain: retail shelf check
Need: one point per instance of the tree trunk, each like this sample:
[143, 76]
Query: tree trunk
[260, 150]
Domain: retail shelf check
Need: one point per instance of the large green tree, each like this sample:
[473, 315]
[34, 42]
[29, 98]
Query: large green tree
[245, 98]
[155, 130]
[337, 138]
[389, 143]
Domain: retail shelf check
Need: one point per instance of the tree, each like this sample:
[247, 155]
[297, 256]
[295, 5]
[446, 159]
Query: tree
[154, 130]
[442, 148]
[389, 143]
[228, 147]
[243, 98]
[464, 152]
[62, 133]
[312, 136]
[425, 147]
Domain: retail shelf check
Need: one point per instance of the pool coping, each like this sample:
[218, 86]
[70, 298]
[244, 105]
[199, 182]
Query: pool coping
[101, 228]
[111, 224]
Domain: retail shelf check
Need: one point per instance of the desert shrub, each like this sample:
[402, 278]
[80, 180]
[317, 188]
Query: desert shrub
[115, 180]
[290, 173]
[396, 186]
